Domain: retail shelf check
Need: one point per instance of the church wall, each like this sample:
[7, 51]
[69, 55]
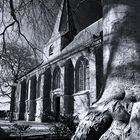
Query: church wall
[42, 99]
[55, 44]
[82, 100]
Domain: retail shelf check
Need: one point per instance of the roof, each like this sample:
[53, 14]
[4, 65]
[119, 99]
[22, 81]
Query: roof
[85, 37]
[82, 39]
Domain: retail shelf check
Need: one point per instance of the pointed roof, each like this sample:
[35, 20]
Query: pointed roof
[66, 21]
[63, 32]
[55, 31]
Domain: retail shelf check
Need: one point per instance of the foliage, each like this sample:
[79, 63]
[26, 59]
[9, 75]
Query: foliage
[48, 116]
[68, 120]
[19, 128]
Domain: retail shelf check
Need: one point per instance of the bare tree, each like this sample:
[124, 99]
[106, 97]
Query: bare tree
[24, 22]
[15, 62]
[27, 21]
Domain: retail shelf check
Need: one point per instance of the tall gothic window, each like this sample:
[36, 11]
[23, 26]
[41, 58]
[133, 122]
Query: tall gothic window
[82, 75]
[56, 78]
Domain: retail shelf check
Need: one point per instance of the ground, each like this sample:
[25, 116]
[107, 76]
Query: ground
[33, 130]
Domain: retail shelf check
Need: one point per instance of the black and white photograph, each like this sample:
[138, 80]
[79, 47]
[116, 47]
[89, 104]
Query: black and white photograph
[69, 69]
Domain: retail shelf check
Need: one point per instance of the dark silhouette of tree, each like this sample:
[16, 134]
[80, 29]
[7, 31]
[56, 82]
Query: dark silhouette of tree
[25, 28]
[15, 62]
[27, 21]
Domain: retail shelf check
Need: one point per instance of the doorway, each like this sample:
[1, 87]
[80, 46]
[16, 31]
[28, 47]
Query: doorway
[57, 107]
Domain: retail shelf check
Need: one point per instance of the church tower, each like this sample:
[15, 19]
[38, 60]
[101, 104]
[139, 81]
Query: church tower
[63, 32]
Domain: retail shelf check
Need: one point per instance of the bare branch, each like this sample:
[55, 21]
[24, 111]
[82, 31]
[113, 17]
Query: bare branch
[3, 34]
[4, 93]
[19, 28]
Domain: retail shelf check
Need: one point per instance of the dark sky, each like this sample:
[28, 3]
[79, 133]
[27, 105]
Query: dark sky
[85, 12]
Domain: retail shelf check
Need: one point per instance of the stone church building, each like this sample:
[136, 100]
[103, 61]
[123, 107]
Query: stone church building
[68, 81]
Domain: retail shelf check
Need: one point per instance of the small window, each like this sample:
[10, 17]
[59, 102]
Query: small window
[51, 50]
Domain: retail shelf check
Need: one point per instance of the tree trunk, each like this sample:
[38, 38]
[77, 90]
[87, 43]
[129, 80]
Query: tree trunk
[121, 87]
[12, 106]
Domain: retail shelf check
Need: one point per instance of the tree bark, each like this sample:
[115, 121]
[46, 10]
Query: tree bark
[121, 87]
[12, 105]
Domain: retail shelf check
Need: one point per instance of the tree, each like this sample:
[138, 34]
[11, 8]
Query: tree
[15, 62]
[118, 105]
[116, 113]
[27, 21]
[24, 24]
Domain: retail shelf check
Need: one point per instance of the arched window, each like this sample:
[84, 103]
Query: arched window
[56, 78]
[82, 75]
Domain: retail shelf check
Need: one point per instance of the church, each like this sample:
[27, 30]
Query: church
[69, 80]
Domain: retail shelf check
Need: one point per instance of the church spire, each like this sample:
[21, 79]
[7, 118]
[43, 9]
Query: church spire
[66, 27]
